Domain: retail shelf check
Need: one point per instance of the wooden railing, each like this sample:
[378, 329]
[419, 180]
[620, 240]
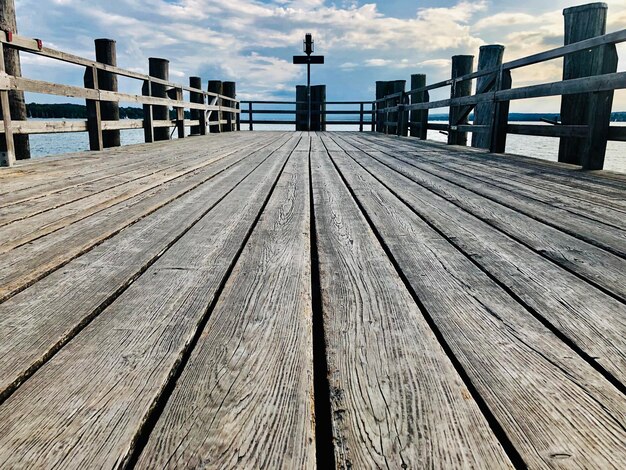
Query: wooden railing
[211, 111]
[405, 113]
[364, 110]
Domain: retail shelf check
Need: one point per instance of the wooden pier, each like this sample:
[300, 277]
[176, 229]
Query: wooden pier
[314, 299]
[287, 300]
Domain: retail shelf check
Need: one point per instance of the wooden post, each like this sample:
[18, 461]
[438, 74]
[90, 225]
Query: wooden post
[148, 128]
[489, 57]
[238, 115]
[197, 114]
[159, 68]
[94, 115]
[373, 124]
[109, 110]
[318, 108]
[419, 118]
[7, 154]
[180, 113]
[229, 89]
[12, 66]
[361, 116]
[592, 109]
[302, 118]
[215, 86]
[380, 94]
[500, 120]
[251, 120]
[461, 65]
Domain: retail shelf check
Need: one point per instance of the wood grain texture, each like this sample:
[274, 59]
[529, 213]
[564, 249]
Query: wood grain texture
[57, 195]
[592, 320]
[36, 226]
[396, 399]
[593, 263]
[86, 405]
[609, 238]
[245, 398]
[514, 362]
[24, 265]
[43, 317]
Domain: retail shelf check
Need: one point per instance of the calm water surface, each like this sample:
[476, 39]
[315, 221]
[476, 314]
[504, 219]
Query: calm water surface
[546, 148]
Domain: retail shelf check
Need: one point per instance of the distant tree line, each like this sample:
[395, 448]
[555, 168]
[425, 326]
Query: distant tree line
[79, 111]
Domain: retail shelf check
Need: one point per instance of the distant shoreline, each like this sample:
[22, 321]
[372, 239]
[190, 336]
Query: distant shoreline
[79, 111]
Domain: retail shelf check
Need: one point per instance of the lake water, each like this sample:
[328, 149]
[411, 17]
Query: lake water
[546, 148]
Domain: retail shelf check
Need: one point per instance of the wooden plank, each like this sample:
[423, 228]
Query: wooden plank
[89, 403]
[552, 405]
[22, 266]
[594, 264]
[45, 176]
[244, 397]
[396, 399]
[609, 238]
[24, 231]
[96, 189]
[582, 203]
[594, 322]
[596, 183]
[39, 320]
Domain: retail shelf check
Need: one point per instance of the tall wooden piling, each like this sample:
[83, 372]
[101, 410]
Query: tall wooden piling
[301, 108]
[592, 109]
[13, 67]
[392, 119]
[94, 114]
[489, 57]
[109, 110]
[318, 107]
[380, 94]
[197, 114]
[215, 86]
[461, 65]
[160, 68]
[419, 118]
[229, 89]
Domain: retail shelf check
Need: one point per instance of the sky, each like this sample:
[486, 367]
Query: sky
[252, 41]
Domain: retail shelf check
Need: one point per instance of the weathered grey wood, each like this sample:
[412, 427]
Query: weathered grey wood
[196, 82]
[54, 174]
[396, 399]
[104, 383]
[244, 397]
[489, 57]
[461, 65]
[500, 121]
[229, 89]
[302, 117]
[215, 86]
[148, 117]
[24, 265]
[514, 362]
[94, 115]
[585, 259]
[609, 238]
[12, 66]
[590, 319]
[318, 107]
[419, 119]
[106, 53]
[380, 94]
[582, 22]
[100, 275]
[159, 68]
[7, 144]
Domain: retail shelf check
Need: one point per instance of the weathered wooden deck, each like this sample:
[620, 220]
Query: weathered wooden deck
[286, 300]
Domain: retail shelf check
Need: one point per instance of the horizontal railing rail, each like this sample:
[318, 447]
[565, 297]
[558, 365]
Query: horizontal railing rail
[403, 112]
[365, 113]
[211, 111]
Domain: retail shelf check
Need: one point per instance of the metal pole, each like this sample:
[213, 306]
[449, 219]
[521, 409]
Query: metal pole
[308, 92]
